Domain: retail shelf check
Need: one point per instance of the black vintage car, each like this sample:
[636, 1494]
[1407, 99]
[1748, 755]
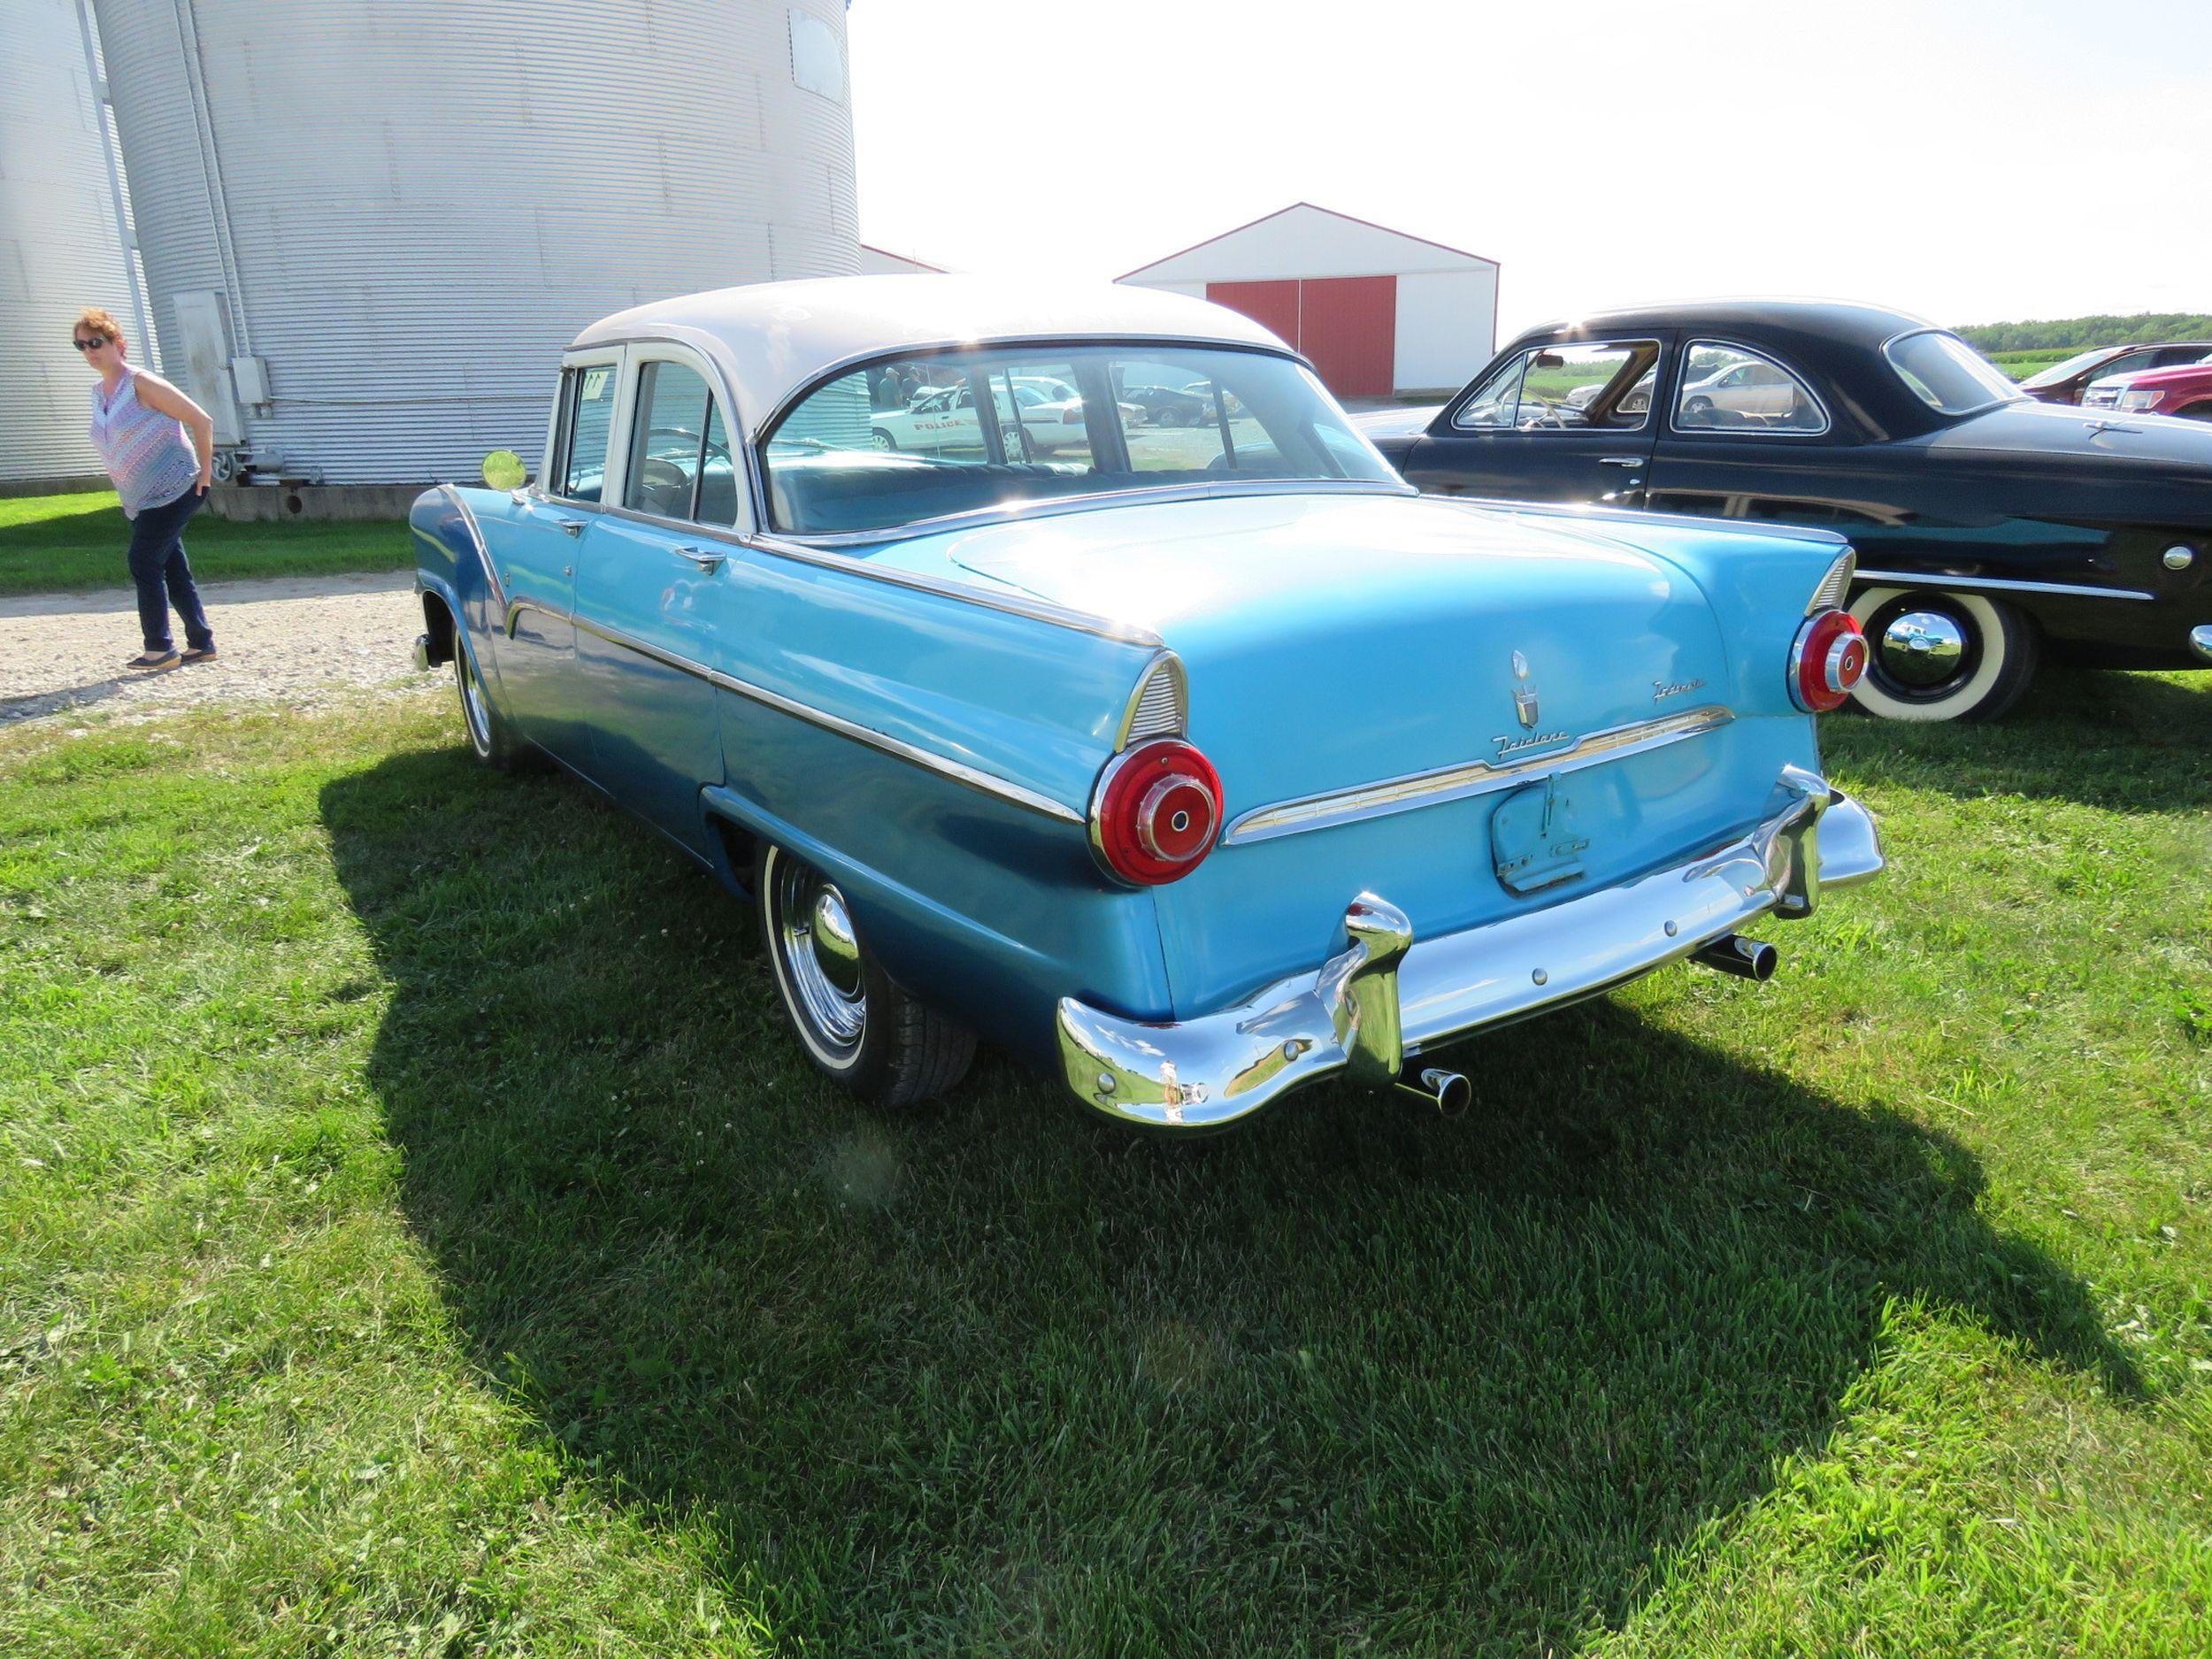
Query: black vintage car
[1989, 526]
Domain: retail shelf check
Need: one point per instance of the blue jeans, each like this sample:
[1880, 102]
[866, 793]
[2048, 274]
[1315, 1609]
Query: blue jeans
[158, 563]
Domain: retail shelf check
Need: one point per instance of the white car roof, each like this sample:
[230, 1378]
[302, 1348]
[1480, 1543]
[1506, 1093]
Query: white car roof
[773, 339]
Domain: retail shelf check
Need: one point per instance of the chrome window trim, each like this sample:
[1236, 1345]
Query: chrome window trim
[1470, 778]
[2002, 584]
[959, 771]
[476, 539]
[1658, 351]
[1682, 369]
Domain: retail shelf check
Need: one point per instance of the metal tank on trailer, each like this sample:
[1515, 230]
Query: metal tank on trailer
[371, 226]
[63, 238]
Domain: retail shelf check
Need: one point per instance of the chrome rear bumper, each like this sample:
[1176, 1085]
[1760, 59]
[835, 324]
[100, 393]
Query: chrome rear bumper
[1383, 998]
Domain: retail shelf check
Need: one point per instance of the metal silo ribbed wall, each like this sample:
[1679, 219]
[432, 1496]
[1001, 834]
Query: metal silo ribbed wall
[59, 248]
[425, 199]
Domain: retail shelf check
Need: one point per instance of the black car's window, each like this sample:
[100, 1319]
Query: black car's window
[1731, 388]
[1947, 374]
[2181, 357]
[668, 440]
[1563, 388]
[590, 420]
[993, 428]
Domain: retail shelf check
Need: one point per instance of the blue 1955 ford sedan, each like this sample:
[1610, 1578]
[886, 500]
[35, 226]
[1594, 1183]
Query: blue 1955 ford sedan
[1192, 761]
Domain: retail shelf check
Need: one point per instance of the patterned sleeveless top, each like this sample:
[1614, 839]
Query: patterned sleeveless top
[145, 451]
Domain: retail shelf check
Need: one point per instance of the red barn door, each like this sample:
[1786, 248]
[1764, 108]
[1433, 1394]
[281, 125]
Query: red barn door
[1271, 304]
[1349, 326]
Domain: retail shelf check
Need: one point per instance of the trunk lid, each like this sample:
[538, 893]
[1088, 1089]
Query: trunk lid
[1334, 641]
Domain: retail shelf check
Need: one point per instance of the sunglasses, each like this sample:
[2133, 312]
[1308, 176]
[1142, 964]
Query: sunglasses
[90, 345]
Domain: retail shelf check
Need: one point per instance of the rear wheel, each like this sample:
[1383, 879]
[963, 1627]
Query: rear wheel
[858, 1028]
[1935, 655]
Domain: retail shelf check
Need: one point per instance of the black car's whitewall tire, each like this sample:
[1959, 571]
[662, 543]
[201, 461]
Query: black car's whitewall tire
[858, 1028]
[1941, 656]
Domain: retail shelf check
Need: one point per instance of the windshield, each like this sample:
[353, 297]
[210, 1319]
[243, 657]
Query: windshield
[2067, 370]
[862, 453]
[1947, 374]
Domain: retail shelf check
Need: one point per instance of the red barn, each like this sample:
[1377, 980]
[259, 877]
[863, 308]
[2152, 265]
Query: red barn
[1380, 313]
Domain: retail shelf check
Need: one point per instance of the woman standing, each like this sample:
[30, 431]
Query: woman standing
[139, 422]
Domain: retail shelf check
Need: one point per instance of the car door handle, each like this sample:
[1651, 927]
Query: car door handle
[574, 527]
[705, 558]
[1620, 460]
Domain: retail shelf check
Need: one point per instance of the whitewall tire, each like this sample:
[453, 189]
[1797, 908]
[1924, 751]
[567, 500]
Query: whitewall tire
[1933, 655]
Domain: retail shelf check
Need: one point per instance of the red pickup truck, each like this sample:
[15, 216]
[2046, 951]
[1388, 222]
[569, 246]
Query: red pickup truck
[2184, 389]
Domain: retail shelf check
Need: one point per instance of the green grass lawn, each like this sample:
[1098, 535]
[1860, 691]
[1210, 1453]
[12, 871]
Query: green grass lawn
[55, 543]
[416, 1237]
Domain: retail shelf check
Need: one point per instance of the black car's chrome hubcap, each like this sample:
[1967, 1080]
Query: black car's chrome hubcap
[1922, 647]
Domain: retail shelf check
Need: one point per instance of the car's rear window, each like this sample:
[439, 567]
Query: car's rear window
[1947, 374]
[903, 441]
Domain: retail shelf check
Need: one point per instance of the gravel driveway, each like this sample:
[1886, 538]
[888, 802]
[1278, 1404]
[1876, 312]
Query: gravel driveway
[299, 641]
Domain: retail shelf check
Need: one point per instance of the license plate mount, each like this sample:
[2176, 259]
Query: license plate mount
[1535, 840]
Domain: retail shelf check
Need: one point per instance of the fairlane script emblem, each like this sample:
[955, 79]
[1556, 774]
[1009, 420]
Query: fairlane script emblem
[1663, 688]
[1523, 694]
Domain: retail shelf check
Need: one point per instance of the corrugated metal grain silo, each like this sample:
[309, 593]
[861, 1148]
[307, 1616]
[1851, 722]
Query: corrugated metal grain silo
[60, 245]
[370, 226]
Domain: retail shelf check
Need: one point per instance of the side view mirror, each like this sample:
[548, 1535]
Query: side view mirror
[503, 470]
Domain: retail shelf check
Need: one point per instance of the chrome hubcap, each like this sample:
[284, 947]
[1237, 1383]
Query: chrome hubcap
[819, 954]
[1923, 647]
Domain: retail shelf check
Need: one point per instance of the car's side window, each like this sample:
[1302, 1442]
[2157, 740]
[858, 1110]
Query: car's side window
[590, 422]
[668, 440]
[1565, 388]
[1729, 388]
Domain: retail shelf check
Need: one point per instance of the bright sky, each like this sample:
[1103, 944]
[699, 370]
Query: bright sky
[1971, 160]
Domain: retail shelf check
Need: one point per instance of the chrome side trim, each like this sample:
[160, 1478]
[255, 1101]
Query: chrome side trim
[1159, 704]
[1385, 997]
[1470, 778]
[973, 777]
[476, 539]
[2003, 584]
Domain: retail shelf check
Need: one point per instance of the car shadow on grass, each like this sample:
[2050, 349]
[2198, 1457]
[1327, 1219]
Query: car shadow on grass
[995, 1375]
[2125, 743]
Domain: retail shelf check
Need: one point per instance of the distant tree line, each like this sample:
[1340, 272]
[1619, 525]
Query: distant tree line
[2077, 334]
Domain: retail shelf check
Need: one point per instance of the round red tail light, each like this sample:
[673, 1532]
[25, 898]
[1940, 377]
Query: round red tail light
[1828, 659]
[1154, 812]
